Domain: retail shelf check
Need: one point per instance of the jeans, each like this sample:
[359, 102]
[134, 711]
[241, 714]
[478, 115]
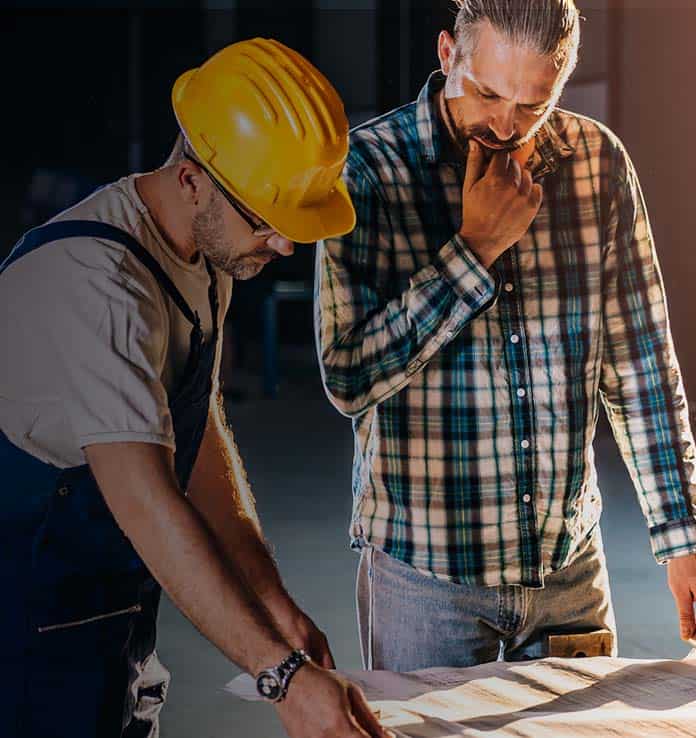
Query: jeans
[408, 620]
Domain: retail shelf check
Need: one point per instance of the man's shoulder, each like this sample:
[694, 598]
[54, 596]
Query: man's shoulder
[387, 141]
[66, 269]
[106, 206]
[587, 136]
[113, 204]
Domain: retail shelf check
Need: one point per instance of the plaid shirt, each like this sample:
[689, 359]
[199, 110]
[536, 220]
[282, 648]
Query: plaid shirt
[474, 394]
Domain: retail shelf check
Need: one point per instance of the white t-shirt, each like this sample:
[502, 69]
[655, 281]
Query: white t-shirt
[91, 344]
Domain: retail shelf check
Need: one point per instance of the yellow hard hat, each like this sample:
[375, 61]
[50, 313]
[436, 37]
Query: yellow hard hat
[272, 129]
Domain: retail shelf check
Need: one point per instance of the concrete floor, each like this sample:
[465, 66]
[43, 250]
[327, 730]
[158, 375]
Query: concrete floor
[298, 450]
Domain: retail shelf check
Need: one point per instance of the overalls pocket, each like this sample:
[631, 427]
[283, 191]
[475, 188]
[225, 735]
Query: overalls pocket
[84, 569]
[88, 621]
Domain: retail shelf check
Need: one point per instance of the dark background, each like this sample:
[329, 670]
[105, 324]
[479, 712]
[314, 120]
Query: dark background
[85, 100]
[85, 97]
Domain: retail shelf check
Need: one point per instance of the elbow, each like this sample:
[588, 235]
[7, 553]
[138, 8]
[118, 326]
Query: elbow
[349, 407]
[342, 388]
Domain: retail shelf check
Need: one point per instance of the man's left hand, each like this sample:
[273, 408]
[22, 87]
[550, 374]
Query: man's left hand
[681, 577]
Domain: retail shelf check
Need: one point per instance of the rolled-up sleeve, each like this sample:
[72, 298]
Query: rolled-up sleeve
[371, 341]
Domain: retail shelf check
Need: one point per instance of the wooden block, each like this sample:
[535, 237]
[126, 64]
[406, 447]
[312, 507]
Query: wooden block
[577, 645]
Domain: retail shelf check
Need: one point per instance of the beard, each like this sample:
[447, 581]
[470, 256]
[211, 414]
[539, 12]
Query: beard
[210, 238]
[462, 134]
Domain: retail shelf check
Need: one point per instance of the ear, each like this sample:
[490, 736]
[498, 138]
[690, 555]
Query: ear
[191, 181]
[446, 51]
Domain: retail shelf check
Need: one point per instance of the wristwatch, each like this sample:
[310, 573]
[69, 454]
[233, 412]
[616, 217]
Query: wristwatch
[272, 684]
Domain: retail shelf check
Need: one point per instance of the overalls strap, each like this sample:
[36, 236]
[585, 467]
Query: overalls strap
[62, 229]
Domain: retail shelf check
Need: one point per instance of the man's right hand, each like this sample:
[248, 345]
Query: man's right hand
[320, 704]
[498, 205]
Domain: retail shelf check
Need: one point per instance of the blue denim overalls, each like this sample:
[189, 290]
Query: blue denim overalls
[78, 607]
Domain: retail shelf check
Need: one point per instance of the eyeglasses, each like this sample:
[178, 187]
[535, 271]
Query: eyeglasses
[259, 229]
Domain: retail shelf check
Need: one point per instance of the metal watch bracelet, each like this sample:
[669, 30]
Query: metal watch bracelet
[272, 684]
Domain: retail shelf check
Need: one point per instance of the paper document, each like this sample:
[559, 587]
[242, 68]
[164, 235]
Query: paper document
[548, 698]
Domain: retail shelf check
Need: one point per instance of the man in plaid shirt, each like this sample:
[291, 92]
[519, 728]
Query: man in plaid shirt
[500, 282]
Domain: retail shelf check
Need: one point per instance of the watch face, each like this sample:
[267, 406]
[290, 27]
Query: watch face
[269, 686]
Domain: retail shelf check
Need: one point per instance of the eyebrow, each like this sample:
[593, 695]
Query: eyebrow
[486, 90]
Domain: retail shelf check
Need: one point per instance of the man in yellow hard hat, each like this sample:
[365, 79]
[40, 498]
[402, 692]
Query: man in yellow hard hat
[120, 475]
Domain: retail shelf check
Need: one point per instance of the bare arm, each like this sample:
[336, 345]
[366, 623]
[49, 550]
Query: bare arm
[141, 490]
[220, 492]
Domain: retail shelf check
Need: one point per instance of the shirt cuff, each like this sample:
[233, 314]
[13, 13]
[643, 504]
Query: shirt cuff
[472, 282]
[673, 538]
[127, 437]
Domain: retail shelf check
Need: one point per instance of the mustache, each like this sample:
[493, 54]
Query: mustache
[493, 141]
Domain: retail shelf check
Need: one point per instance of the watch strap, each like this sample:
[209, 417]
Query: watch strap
[278, 678]
[290, 666]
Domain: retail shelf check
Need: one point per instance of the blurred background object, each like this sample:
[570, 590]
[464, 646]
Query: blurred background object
[86, 100]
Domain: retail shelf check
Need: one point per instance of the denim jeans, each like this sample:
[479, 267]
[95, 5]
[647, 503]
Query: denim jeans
[408, 620]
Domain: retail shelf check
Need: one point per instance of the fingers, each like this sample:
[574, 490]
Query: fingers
[499, 165]
[515, 171]
[536, 196]
[525, 185]
[685, 608]
[363, 714]
[474, 165]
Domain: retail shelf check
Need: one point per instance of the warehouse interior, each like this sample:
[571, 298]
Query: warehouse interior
[88, 90]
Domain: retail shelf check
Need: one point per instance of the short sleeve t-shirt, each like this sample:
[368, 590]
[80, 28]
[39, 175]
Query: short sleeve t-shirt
[92, 345]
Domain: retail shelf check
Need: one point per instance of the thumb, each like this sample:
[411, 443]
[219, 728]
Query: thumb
[685, 608]
[363, 714]
[474, 165]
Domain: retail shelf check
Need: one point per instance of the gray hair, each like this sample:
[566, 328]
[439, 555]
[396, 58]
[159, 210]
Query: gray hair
[551, 27]
[180, 149]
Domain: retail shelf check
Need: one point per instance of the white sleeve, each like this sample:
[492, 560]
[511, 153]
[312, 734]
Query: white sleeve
[90, 338]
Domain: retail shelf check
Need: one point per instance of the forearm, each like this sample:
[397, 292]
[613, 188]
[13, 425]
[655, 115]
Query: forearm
[140, 487]
[367, 359]
[640, 381]
[220, 492]
[649, 418]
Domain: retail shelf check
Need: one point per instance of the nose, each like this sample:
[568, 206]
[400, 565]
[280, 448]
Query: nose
[281, 245]
[503, 123]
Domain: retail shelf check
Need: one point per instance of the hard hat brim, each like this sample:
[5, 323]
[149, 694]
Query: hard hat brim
[333, 217]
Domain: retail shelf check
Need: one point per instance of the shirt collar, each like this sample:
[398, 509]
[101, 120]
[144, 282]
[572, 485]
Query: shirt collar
[437, 147]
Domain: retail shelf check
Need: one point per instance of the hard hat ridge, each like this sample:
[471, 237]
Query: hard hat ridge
[296, 88]
[273, 131]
